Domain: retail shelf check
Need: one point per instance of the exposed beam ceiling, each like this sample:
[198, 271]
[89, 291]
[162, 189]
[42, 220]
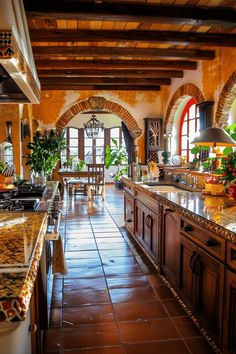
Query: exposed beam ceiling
[116, 52]
[110, 73]
[105, 81]
[145, 13]
[116, 64]
[124, 44]
[171, 37]
[99, 87]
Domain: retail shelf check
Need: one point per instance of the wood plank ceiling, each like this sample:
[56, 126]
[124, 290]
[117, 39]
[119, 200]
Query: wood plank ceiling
[125, 45]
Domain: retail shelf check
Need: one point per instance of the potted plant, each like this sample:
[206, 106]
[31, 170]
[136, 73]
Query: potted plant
[166, 157]
[117, 156]
[45, 152]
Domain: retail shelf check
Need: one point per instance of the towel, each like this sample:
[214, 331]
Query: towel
[58, 260]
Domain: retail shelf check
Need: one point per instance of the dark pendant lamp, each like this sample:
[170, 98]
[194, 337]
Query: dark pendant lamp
[93, 127]
[214, 137]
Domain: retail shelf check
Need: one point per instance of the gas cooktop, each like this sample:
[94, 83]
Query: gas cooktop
[31, 190]
[29, 204]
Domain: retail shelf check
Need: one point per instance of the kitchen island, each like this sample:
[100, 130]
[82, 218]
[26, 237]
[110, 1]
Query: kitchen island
[25, 270]
[191, 238]
[21, 242]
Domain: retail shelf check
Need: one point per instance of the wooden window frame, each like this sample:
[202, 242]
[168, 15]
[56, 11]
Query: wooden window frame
[187, 107]
[81, 141]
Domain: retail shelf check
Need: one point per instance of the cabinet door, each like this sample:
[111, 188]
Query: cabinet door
[138, 227]
[229, 333]
[150, 232]
[34, 321]
[186, 283]
[209, 292]
[129, 213]
[170, 245]
[147, 229]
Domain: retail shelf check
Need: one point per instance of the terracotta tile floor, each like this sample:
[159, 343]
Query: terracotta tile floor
[112, 300]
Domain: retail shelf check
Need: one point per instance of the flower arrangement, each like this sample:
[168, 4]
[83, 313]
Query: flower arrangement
[229, 168]
[152, 166]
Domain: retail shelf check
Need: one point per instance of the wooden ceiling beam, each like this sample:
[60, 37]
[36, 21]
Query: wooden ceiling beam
[105, 81]
[171, 37]
[110, 73]
[144, 13]
[64, 87]
[116, 52]
[115, 64]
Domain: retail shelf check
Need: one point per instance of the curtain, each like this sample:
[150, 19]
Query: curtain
[129, 143]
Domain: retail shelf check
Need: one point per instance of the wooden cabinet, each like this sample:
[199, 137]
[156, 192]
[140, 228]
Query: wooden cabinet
[35, 329]
[201, 280]
[153, 138]
[146, 229]
[129, 212]
[229, 329]
[170, 245]
[197, 262]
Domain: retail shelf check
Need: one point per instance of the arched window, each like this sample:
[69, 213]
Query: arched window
[189, 127]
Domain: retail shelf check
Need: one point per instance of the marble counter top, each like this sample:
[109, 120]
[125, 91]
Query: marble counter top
[217, 213]
[21, 243]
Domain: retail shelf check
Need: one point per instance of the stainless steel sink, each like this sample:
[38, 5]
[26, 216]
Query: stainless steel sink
[167, 188]
[164, 187]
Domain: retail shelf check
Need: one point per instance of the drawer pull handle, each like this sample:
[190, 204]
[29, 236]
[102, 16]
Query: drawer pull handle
[191, 262]
[188, 228]
[129, 220]
[168, 211]
[148, 221]
[212, 242]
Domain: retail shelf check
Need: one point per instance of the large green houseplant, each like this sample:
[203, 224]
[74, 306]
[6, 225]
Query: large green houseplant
[117, 156]
[45, 151]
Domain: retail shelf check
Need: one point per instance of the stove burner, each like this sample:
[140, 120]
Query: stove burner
[18, 204]
[11, 205]
[27, 190]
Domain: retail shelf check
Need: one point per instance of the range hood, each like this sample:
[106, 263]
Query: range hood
[19, 82]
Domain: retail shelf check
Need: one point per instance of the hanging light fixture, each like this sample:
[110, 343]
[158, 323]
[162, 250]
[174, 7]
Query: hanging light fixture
[214, 137]
[93, 127]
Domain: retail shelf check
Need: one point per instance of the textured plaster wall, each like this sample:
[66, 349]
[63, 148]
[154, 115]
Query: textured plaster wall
[139, 104]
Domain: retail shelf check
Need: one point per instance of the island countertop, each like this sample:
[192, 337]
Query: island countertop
[215, 213]
[21, 242]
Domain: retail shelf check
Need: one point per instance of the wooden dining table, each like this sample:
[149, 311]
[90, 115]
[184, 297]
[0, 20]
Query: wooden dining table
[70, 174]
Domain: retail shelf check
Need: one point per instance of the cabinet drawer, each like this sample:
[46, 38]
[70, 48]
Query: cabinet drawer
[209, 241]
[129, 189]
[231, 255]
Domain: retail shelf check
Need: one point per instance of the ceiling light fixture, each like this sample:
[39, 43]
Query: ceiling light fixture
[93, 127]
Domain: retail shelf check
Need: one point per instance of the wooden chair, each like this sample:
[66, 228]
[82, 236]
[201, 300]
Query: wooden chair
[96, 181]
[76, 186]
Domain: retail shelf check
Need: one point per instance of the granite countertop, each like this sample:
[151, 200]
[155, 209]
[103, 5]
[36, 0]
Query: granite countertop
[21, 243]
[219, 212]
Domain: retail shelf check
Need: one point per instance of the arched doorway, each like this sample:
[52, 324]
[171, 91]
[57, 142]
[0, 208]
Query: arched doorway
[100, 103]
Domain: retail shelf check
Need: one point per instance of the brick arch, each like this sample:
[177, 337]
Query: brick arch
[112, 107]
[226, 99]
[183, 91]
